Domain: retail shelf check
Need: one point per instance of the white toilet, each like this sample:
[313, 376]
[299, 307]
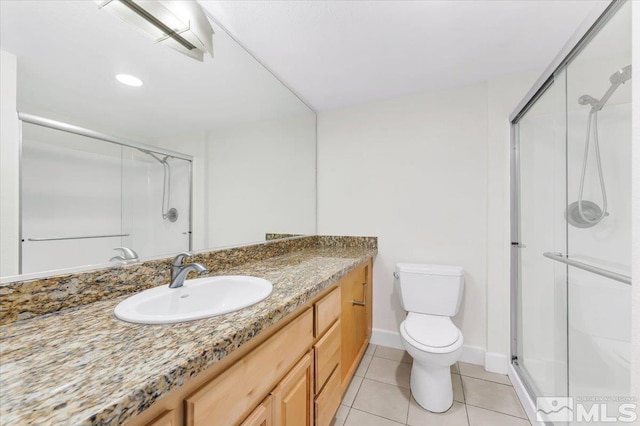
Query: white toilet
[431, 294]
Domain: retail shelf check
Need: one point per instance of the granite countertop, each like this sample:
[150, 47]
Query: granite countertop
[83, 366]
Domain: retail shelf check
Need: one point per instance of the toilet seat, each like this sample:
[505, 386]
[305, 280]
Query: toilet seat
[431, 333]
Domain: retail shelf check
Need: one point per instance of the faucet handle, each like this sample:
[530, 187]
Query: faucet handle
[180, 257]
[127, 253]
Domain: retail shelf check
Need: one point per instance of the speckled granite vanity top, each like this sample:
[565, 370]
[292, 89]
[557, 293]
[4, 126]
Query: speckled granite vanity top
[84, 366]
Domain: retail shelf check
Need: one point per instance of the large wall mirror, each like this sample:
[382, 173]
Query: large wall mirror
[204, 154]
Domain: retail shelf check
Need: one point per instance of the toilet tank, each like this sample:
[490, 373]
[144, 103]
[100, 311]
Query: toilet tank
[430, 289]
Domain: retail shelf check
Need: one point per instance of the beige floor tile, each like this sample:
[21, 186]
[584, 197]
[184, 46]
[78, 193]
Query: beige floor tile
[455, 369]
[370, 349]
[384, 400]
[479, 372]
[360, 418]
[458, 394]
[481, 417]
[492, 396]
[388, 371]
[393, 354]
[455, 416]
[352, 391]
[341, 416]
[364, 364]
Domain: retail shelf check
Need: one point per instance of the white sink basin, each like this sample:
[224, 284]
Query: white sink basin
[196, 299]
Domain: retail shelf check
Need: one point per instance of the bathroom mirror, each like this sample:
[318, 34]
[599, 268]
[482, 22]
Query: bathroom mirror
[249, 142]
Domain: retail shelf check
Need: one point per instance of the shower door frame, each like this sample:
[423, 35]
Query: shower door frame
[102, 137]
[583, 35]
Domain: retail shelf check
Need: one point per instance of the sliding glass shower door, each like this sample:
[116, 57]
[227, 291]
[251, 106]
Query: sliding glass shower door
[572, 234]
[599, 81]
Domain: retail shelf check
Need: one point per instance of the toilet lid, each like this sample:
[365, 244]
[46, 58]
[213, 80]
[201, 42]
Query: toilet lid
[431, 330]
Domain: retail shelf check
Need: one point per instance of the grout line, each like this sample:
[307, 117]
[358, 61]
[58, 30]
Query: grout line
[485, 380]
[373, 414]
[464, 397]
[394, 360]
[409, 408]
[499, 412]
[385, 383]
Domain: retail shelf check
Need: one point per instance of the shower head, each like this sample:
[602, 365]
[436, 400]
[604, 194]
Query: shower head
[621, 76]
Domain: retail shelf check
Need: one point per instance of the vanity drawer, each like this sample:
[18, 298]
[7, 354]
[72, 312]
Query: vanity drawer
[327, 403]
[327, 310]
[231, 396]
[327, 355]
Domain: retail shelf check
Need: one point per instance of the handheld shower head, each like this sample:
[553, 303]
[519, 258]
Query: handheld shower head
[588, 100]
[621, 76]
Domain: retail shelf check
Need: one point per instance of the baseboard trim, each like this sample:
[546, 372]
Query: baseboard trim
[472, 354]
[496, 363]
[391, 339]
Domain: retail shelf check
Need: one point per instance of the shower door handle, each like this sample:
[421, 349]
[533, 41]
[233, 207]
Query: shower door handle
[518, 245]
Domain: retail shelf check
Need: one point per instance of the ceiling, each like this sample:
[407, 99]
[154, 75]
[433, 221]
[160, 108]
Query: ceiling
[336, 54]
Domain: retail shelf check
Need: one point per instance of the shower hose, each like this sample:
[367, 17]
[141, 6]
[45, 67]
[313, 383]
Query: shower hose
[593, 118]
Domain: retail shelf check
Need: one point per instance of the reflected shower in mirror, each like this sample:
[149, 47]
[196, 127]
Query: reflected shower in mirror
[244, 167]
[82, 198]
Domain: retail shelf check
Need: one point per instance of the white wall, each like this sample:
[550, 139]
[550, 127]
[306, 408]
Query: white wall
[412, 171]
[261, 180]
[9, 161]
[384, 167]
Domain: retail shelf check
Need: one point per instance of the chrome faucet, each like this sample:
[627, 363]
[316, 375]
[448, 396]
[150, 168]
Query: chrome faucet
[178, 281]
[178, 263]
[179, 271]
[127, 256]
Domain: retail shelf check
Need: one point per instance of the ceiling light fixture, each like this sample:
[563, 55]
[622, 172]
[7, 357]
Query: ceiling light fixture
[181, 25]
[129, 80]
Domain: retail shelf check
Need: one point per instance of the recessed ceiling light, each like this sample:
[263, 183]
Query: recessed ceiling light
[129, 80]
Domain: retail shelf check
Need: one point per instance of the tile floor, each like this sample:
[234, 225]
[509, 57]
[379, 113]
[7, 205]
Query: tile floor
[380, 395]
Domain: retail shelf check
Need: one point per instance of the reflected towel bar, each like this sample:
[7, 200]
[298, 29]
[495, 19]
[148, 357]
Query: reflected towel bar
[78, 238]
[559, 257]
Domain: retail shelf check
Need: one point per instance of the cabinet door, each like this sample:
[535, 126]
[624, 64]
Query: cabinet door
[262, 415]
[356, 318]
[293, 397]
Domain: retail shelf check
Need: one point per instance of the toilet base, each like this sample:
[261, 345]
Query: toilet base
[432, 387]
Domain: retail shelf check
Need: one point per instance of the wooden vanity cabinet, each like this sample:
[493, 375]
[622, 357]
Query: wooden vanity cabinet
[294, 375]
[356, 310]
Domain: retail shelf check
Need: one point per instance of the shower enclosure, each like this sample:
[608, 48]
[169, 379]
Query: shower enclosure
[85, 194]
[571, 228]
